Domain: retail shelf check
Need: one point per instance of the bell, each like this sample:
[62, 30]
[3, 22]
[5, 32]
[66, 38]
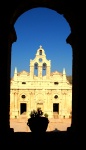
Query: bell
[44, 68]
[36, 66]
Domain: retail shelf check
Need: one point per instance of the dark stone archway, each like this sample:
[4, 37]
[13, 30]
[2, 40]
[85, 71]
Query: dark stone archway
[8, 17]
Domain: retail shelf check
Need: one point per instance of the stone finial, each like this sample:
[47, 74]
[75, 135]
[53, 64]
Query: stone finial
[15, 71]
[64, 72]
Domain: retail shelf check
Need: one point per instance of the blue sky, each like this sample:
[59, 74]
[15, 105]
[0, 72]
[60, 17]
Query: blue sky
[41, 26]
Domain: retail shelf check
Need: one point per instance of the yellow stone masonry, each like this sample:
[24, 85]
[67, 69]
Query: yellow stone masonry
[40, 88]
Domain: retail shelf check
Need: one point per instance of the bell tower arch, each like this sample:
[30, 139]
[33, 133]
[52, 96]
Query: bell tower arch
[41, 64]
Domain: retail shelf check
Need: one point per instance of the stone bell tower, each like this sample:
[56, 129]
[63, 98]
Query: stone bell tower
[40, 63]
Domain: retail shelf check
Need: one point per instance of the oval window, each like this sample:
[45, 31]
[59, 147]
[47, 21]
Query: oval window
[23, 96]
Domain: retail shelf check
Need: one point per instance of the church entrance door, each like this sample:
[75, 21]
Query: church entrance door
[23, 108]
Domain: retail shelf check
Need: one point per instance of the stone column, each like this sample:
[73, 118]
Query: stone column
[15, 101]
[40, 71]
[15, 104]
[31, 71]
[48, 72]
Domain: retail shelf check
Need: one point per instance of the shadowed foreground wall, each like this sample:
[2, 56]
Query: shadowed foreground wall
[8, 16]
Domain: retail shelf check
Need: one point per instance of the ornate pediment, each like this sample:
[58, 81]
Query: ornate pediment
[24, 73]
[55, 73]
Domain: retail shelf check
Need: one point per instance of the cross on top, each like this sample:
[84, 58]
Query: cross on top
[40, 46]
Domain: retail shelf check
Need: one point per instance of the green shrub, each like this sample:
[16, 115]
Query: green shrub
[46, 115]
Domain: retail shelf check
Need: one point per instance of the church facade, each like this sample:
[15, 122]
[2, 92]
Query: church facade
[51, 91]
